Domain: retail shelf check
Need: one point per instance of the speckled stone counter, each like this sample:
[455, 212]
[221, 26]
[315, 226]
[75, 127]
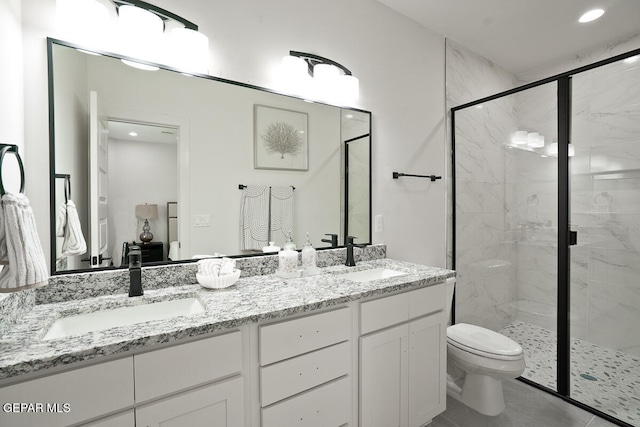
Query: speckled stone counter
[251, 299]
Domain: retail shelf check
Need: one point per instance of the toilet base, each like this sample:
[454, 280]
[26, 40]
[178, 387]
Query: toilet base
[479, 392]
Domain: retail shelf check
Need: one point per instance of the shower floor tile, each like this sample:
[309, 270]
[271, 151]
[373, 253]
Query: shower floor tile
[605, 379]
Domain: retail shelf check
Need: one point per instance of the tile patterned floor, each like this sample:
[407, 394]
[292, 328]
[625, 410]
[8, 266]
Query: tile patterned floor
[604, 379]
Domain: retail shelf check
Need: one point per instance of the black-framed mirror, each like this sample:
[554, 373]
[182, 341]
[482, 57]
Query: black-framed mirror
[199, 150]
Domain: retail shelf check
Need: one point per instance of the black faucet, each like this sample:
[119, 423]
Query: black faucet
[351, 262]
[135, 271]
[333, 240]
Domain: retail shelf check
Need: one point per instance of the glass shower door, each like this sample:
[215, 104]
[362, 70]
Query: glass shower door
[605, 263]
[506, 222]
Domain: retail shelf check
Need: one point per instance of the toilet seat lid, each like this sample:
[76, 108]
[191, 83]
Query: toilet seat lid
[485, 341]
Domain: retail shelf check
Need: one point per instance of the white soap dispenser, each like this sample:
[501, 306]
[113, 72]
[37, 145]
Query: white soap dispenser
[288, 260]
[309, 259]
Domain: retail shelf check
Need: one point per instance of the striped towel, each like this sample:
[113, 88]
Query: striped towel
[281, 213]
[25, 266]
[254, 218]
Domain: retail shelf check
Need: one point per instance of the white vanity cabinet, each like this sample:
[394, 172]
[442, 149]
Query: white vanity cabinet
[198, 383]
[403, 358]
[70, 397]
[305, 367]
[212, 365]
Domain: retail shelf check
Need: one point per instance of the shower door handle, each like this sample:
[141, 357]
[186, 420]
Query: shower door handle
[573, 238]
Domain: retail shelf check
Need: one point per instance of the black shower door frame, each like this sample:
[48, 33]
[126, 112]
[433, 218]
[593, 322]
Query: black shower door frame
[566, 237]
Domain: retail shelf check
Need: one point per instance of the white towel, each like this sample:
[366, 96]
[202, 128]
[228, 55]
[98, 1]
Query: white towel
[20, 244]
[174, 248]
[254, 217]
[68, 227]
[281, 213]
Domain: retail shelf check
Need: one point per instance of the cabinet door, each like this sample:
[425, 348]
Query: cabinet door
[71, 397]
[383, 380]
[215, 405]
[427, 368]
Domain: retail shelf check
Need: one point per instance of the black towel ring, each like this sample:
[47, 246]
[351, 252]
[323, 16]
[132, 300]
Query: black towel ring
[67, 189]
[9, 148]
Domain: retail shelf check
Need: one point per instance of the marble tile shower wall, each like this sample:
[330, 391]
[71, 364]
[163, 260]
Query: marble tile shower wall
[536, 210]
[606, 203]
[485, 248]
[605, 207]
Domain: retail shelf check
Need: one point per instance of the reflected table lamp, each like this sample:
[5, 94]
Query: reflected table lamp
[146, 212]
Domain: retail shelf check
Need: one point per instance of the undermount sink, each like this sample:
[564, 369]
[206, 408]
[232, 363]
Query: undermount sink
[373, 274]
[123, 316]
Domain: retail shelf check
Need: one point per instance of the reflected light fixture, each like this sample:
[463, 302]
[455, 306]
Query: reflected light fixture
[591, 15]
[535, 140]
[313, 76]
[520, 137]
[631, 59]
[552, 150]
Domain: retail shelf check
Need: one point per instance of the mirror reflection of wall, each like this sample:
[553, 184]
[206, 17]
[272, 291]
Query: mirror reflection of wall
[143, 169]
[356, 134]
[213, 155]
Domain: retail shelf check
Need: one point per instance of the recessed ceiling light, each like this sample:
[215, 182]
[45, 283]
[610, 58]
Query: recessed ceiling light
[591, 15]
[133, 134]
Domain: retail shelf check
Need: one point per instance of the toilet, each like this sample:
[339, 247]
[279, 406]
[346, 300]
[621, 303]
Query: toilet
[478, 359]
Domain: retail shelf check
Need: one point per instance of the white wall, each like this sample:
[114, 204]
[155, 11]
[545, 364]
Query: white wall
[11, 104]
[401, 70]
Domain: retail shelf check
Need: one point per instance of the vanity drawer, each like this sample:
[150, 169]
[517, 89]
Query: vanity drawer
[326, 406]
[161, 372]
[301, 373]
[388, 311]
[72, 396]
[293, 337]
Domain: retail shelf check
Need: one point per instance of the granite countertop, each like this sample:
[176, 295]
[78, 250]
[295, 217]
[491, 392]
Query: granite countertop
[249, 300]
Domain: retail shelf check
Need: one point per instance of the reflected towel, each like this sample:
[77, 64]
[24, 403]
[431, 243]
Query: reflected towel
[68, 227]
[254, 217]
[174, 247]
[281, 213]
[21, 245]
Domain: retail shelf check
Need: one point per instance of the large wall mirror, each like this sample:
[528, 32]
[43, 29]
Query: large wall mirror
[211, 159]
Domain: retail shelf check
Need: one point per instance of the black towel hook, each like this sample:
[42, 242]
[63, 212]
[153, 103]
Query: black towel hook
[67, 188]
[10, 148]
[67, 185]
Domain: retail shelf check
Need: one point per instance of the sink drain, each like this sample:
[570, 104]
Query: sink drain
[588, 377]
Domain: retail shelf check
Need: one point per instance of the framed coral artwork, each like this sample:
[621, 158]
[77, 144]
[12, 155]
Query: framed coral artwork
[281, 140]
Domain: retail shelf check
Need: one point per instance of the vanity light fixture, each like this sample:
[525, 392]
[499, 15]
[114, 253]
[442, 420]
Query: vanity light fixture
[145, 28]
[320, 78]
[142, 32]
[591, 15]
